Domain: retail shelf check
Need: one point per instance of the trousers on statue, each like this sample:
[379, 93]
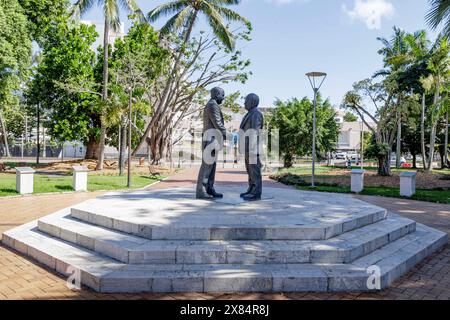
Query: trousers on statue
[207, 174]
[254, 176]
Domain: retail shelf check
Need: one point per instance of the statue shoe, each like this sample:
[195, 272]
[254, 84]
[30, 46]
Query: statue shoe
[214, 194]
[204, 196]
[249, 191]
[252, 197]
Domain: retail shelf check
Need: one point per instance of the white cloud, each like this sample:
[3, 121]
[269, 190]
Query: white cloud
[371, 12]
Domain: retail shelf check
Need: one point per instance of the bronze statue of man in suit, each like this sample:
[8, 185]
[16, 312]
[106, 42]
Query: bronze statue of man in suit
[214, 133]
[250, 140]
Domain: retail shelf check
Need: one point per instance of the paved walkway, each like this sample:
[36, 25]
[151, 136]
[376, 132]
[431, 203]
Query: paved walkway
[21, 278]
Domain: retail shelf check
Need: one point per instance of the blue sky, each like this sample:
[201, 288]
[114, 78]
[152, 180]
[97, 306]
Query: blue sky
[292, 37]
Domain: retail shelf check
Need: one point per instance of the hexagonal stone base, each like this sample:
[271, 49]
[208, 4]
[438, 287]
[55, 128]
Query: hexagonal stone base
[167, 241]
[175, 214]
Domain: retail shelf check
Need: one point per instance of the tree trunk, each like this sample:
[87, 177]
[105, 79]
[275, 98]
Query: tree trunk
[92, 149]
[288, 160]
[446, 162]
[104, 95]
[399, 140]
[441, 155]
[422, 134]
[432, 147]
[434, 124]
[414, 161]
[384, 165]
[4, 135]
[123, 147]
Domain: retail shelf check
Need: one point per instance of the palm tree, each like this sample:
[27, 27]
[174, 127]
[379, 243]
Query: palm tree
[420, 53]
[111, 11]
[439, 66]
[438, 14]
[186, 14]
[396, 58]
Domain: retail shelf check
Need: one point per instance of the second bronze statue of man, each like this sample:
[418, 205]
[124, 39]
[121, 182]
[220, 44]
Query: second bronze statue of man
[251, 146]
[214, 133]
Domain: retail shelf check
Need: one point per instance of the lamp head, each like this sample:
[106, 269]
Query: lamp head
[316, 79]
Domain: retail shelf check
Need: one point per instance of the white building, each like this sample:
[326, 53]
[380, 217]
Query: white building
[350, 136]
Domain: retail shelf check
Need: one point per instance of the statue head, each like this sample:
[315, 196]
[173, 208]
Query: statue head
[218, 94]
[251, 102]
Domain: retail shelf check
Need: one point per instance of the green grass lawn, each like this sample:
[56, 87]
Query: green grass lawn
[45, 184]
[325, 169]
[438, 196]
[301, 177]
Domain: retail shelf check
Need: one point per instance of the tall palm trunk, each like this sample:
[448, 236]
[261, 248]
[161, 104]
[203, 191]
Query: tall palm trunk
[422, 135]
[434, 124]
[4, 135]
[168, 85]
[399, 140]
[446, 162]
[101, 155]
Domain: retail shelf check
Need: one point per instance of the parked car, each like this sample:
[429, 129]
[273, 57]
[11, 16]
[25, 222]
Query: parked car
[353, 156]
[340, 156]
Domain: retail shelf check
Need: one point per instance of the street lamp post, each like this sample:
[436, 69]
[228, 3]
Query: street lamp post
[316, 80]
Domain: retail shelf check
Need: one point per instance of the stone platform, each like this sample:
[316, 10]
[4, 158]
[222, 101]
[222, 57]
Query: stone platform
[167, 241]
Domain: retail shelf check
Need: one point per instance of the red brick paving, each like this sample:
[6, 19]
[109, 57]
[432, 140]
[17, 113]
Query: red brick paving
[21, 278]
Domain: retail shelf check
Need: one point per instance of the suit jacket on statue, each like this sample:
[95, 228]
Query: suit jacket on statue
[213, 118]
[253, 120]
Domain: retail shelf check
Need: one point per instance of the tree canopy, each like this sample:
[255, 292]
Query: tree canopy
[15, 50]
[294, 120]
[73, 115]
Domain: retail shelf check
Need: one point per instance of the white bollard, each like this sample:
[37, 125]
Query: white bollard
[408, 184]
[80, 175]
[357, 180]
[24, 180]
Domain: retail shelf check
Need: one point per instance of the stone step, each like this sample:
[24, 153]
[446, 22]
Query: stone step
[107, 275]
[198, 230]
[130, 249]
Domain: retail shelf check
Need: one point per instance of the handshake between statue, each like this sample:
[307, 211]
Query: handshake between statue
[214, 134]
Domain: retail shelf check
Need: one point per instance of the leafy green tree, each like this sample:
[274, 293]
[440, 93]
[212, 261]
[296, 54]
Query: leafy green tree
[294, 120]
[44, 16]
[136, 63]
[15, 57]
[111, 9]
[350, 117]
[383, 123]
[70, 61]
